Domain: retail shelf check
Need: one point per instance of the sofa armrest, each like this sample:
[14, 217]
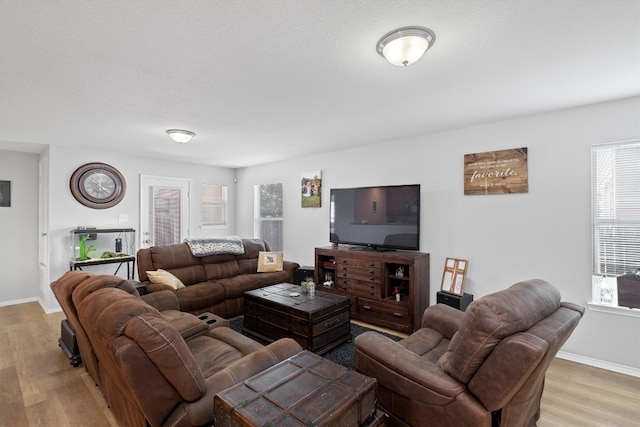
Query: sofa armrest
[292, 268]
[404, 372]
[507, 368]
[156, 287]
[252, 364]
[162, 300]
[187, 324]
[442, 318]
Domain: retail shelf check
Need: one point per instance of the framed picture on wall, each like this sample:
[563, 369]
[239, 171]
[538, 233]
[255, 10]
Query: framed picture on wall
[5, 194]
[453, 276]
[311, 189]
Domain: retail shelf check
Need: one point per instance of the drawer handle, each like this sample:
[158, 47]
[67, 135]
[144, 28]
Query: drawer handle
[372, 286]
[331, 323]
[367, 307]
[399, 315]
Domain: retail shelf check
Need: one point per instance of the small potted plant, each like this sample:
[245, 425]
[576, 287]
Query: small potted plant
[307, 285]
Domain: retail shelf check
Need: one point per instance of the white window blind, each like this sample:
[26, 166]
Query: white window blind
[166, 215]
[214, 205]
[616, 208]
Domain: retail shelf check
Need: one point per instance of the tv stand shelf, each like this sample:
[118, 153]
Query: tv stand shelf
[372, 279]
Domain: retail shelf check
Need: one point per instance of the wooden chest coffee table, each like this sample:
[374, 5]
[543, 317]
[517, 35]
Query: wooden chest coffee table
[304, 390]
[317, 322]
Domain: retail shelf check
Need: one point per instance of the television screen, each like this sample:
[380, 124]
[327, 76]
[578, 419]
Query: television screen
[382, 217]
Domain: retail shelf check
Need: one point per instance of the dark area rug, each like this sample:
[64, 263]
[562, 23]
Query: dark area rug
[343, 354]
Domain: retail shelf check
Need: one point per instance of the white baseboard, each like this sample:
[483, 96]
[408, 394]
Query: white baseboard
[49, 310]
[18, 301]
[621, 369]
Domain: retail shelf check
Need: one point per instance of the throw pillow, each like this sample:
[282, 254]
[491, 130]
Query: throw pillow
[163, 277]
[269, 261]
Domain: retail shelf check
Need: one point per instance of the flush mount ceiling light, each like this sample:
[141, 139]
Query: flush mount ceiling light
[405, 45]
[181, 136]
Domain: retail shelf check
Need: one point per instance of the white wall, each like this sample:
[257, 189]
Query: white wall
[544, 233]
[65, 213]
[19, 228]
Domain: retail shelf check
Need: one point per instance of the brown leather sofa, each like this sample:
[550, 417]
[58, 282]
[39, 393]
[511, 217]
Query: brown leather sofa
[156, 367]
[214, 283]
[85, 282]
[481, 367]
[152, 375]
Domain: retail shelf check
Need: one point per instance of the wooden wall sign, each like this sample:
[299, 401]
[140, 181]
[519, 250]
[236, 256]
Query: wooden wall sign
[496, 172]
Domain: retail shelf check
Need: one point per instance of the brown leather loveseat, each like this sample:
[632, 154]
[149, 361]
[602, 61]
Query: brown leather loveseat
[481, 367]
[214, 283]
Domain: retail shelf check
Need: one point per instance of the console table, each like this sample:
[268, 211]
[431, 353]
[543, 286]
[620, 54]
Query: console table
[389, 289]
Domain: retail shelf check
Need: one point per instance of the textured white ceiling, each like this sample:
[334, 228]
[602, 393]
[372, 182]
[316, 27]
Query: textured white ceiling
[259, 81]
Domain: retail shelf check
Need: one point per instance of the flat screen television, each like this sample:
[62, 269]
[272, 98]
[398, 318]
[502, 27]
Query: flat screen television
[379, 218]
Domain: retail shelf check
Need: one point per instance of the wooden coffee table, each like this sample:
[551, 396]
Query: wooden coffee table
[317, 322]
[304, 390]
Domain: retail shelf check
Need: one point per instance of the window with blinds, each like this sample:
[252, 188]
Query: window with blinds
[616, 208]
[268, 221]
[166, 215]
[214, 205]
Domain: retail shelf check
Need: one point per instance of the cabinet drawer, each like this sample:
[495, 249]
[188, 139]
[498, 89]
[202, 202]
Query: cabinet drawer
[360, 273]
[382, 313]
[360, 288]
[337, 320]
[355, 262]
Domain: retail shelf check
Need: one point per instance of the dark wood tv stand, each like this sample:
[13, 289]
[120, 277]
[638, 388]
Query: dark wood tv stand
[371, 279]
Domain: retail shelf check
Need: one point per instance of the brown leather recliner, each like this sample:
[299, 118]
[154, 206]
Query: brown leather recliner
[480, 367]
[158, 376]
[165, 301]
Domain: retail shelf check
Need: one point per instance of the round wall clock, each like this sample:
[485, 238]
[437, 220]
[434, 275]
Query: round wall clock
[98, 185]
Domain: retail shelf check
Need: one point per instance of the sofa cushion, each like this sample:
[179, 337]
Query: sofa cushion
[222, 269]
[190, 274]
[201, 295]
[165, 278]
[231, 346]
[170, 353]
[235, 287]
[248, 266]
[172, 256]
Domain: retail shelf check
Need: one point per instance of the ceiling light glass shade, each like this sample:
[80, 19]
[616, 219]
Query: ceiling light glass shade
[406, 45]
[180, 136]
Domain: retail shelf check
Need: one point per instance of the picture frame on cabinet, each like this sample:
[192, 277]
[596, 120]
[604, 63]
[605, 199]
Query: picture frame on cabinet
[455, 270]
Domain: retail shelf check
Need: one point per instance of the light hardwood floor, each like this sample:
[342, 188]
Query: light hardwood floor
[38, 386]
